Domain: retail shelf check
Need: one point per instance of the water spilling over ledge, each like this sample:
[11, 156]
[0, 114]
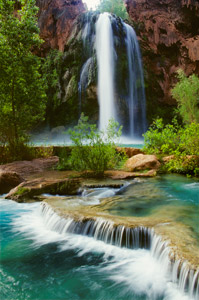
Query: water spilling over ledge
[111, 47]
[133, 237]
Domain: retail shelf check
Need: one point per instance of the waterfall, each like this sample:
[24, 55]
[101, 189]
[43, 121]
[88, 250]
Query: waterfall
[120, 82]
[133, 238]
[136, 98]
[105, 60]
[83, 83]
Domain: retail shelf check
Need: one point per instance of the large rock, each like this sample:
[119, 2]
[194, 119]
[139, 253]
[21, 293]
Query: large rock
[142, 162]
[26, 168]
[169, 37]
[129, 151]
[9, 180]
[29, 190]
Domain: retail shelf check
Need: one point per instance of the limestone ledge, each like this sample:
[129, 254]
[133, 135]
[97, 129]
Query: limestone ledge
[179, 237]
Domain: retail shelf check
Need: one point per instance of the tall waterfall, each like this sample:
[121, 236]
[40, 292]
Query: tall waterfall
[120, 84]
[105, 60]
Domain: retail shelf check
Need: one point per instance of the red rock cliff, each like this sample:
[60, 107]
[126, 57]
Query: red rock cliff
[55, 20]
[169, 37]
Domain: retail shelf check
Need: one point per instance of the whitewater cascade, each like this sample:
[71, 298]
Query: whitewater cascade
[120, 81]
[136, 97]
[105, 60]
[133, 238]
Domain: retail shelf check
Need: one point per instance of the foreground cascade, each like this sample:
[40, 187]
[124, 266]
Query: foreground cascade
[177, 271]
[110, 74]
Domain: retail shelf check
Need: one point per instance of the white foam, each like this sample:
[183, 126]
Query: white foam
[139, 270]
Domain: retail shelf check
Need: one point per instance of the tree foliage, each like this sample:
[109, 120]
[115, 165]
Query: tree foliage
[172, 139]
[94, 150]
[116, 7]
[22, 90]
[186, 92]
[51, 71]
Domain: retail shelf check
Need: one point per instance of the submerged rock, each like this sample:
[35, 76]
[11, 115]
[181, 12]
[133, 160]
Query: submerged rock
[142, 162]
[9, 180]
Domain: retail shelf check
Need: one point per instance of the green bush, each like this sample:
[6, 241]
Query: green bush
[183, 164]
[160, 138]
[186, 93]
[116, 7]
[172, 139]
[94, 150]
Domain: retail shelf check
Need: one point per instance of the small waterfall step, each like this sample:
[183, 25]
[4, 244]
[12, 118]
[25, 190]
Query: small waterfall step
[107, 231]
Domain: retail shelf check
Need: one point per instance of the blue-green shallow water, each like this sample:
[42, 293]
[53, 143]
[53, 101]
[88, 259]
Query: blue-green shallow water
[37, 263]
[172, 196]
[48, 271]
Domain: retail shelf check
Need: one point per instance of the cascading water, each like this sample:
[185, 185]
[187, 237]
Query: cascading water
[46, 256]
[105, 59]
[133, 238]
[120, 83]
[136, 97]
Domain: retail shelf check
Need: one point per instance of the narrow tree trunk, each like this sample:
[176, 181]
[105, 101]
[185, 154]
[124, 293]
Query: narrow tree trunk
[16, 137]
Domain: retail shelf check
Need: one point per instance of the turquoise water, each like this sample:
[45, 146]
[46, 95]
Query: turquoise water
[37, 263]
[172, 196]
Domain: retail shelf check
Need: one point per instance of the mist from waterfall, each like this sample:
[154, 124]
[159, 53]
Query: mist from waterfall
[105, 60]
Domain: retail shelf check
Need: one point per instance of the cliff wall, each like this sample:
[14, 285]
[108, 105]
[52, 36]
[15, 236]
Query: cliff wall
[169, 37]
[55, 20]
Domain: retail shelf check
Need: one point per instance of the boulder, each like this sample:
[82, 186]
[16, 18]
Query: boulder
[129, 151]
[26, 168]
[29, 190]
[142, 162]
[9, 180]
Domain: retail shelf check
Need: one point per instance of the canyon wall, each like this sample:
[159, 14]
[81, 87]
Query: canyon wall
[55, 20]
[168, 31]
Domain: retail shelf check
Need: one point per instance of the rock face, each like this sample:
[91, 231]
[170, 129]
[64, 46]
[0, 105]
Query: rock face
[142, 162]
[169, 38]
[8, 180]
[55, 20]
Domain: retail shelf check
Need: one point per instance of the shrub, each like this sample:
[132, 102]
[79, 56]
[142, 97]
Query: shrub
[171, 139]
[160, 138]
[94, 150]
[186, 93]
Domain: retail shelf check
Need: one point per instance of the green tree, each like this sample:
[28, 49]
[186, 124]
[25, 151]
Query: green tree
[186, 93]
[22, 89]
[51, 70]
[94, 150]
[116, 7]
